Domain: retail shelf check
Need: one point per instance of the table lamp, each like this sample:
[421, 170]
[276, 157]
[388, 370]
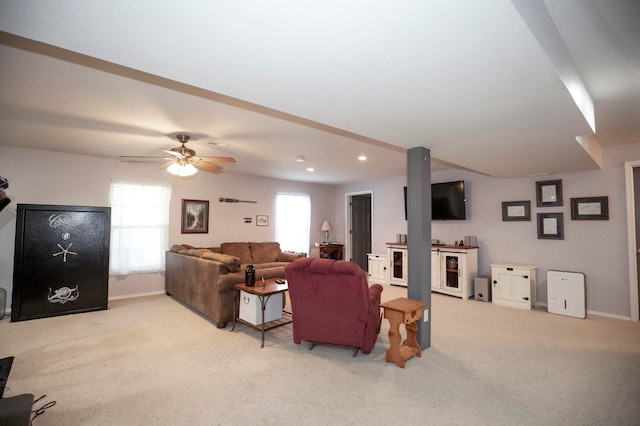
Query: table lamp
[326, 227]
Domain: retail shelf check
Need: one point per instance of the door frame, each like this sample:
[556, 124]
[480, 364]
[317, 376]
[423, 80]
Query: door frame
[631, 240]
[347, 221]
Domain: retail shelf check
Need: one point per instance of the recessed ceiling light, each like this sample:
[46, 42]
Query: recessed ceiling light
[310, 169]
[362, 157]
[300, 158]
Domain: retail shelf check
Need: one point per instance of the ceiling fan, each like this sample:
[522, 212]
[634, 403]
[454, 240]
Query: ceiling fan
[182, 161]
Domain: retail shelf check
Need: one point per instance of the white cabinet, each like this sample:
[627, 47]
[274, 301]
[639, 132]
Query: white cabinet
[514, 285]
[378, 268]
[453, 270]
[398, 264]
[435, 270]
[251, 308]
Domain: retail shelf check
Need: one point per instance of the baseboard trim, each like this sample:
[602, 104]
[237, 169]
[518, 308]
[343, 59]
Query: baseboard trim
[600, 314]
[129, 296]
[604, 314]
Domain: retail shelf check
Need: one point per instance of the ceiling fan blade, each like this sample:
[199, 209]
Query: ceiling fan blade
[165, 165]
[175, 154]
[219, 159]
[207, 167]
[138, 159]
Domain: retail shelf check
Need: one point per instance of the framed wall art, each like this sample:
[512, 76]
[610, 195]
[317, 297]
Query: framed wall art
[549, 193]
[516, 211]
[550, 226]
[262, 220]
[590, 208]
[195, 217]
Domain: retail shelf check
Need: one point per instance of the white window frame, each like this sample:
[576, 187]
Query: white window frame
[293, 221]
[139, 227]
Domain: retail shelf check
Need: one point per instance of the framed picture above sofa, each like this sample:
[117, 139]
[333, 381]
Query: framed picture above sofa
[195, 217]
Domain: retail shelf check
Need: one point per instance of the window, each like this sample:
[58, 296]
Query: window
[139, 227]
[293, 218]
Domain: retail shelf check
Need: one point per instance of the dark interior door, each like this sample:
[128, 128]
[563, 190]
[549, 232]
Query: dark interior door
[361, 229]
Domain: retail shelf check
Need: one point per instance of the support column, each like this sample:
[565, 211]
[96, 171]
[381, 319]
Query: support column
[419, 235]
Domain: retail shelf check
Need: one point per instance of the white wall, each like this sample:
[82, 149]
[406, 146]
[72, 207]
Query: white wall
[42, 177]
[596, 248]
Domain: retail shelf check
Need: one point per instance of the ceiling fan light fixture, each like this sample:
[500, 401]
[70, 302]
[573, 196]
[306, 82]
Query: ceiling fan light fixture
[182, 170]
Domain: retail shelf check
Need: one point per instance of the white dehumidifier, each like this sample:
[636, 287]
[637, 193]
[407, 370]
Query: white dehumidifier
[566, 293]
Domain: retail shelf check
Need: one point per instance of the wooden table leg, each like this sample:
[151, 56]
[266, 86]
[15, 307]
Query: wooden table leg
[412, 329]
[393, 353]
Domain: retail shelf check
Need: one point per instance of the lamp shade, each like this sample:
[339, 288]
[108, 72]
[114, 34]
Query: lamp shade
[326, 226]
[182, 170]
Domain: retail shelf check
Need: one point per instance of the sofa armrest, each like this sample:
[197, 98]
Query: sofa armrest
[288, 257]
[231, 262]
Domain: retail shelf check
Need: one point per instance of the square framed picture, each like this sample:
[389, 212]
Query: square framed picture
[549, 193]
[550, 226]
[516, 211]
[195, 217]
[262, 220]
[590, 208]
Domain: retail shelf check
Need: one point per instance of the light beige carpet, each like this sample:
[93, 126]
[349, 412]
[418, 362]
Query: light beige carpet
[152, 361]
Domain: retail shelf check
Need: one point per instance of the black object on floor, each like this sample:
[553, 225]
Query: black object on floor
[5, 369]
[16, 410]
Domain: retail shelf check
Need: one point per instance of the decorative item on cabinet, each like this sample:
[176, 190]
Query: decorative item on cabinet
[326, 227]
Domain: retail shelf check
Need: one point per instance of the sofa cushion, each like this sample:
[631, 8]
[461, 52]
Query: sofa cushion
[239, 250]
[231, 262]
[264, 252]
[196, 252]
[287, 256]
[261, 266]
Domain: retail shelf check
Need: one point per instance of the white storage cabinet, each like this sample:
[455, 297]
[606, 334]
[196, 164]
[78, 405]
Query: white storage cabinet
[377, 268]
[251, 309]
[453, 270]
[398, 264]
[513, 285]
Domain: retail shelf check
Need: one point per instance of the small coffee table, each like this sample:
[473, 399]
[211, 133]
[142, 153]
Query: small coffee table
[264, 292]
[403, 311]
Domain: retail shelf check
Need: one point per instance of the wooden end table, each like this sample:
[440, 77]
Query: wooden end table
[403, 311]
[264, 292]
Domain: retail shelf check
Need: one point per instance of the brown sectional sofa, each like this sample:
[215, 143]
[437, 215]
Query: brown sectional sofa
[203, 278]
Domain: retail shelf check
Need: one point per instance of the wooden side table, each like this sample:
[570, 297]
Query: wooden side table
[264, 292]
[403, 311]
[328, 251]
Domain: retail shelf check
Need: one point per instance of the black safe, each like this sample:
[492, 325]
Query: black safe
[61, 263]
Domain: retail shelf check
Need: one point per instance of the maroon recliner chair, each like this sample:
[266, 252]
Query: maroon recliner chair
[333, 304]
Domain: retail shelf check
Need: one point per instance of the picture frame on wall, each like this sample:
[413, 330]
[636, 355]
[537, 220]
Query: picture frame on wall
[550, 226]
[195, 217]
[549, 193]
[513, 211]
[262, 220]
[590, 208]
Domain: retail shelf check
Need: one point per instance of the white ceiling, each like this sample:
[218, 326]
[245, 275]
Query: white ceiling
[488, 86]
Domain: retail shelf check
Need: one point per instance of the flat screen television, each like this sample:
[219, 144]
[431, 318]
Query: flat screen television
[447, 201]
